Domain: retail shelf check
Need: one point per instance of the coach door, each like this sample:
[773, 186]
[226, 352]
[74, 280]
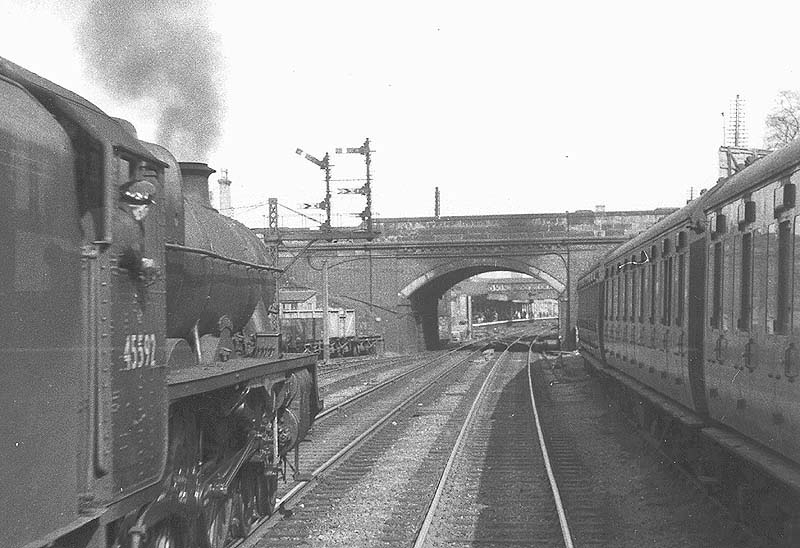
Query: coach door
[696, 327]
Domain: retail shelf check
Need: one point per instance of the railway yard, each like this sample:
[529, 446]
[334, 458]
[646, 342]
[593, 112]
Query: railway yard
[174, 378]
[442, 448]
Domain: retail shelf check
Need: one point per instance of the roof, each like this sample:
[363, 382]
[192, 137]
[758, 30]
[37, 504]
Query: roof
[776, 165]
[296, 295]
[96, 122]
[687, 216]
[763, 171]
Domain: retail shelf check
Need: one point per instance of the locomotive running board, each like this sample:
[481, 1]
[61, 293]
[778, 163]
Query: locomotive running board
[188, 381]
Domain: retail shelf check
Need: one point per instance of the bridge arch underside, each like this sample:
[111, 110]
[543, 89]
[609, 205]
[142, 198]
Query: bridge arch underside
[425, 291]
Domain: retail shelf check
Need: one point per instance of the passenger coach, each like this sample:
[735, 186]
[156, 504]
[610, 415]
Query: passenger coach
[695, 319]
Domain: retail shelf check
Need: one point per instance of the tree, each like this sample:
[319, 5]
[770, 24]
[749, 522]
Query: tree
[783, 122]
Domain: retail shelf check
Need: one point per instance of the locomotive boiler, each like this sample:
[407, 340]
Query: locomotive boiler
[695, 324]
[144, 400]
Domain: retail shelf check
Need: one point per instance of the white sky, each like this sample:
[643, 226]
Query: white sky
[508, 107]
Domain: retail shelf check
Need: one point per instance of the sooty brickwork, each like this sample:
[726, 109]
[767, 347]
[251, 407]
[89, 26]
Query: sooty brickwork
[395, 281]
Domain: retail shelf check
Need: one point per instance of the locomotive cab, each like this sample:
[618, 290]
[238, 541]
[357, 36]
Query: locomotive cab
[110, 293]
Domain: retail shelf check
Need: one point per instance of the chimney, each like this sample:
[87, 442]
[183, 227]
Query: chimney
[224, 193]
[195, 181]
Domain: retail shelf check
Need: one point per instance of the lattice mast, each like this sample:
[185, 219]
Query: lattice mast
[736, 128]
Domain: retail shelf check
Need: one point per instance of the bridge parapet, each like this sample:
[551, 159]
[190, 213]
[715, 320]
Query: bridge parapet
[394, 281]
[576, 224]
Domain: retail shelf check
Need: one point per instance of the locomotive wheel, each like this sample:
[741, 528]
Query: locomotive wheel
[259, 493]
[220, 521]
[238, 528]
[166, 534]
[267, 493]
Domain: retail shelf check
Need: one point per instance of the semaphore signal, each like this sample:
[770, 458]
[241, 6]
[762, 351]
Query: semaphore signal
[365, 190]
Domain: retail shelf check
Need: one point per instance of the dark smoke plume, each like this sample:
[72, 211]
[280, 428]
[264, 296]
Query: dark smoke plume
[163, 51]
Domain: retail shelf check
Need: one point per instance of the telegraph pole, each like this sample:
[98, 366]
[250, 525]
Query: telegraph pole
[368, 209]
[327, 167]
[326, 337]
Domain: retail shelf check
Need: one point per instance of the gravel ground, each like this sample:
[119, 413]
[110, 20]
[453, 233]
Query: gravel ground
[359, 518]
[643, 501]
[364, 502]
[655, 505]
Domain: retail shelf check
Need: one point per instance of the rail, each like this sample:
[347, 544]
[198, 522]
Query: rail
[516, 320]
[426, 524]
[562, 515]
[297, 491]
[461, 442]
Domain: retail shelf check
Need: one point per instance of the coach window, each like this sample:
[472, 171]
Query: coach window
[666, 318]
[619, 293]
[642, 293]
[634, 296]
[625, 295]
[681, 288]
[653, 285]
[613, 295]
[666, 276]
[746, 282]
[716, 291]
[784, 298]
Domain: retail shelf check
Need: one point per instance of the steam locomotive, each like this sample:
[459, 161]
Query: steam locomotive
[144, 402]
[694, 323]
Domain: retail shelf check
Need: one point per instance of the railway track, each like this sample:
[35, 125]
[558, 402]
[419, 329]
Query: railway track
[451, 455]
[345, 426]
[342, 385]
[499, 487]
[398, 431]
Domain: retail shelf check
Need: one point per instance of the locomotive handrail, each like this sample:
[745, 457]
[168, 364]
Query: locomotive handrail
[186, 249]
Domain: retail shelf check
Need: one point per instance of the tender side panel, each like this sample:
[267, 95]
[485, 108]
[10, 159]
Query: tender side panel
[40, 314]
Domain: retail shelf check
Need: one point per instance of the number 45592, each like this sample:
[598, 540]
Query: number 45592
[140, 351]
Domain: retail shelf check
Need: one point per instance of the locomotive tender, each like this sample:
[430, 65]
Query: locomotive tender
[142, 402]
[695, 324]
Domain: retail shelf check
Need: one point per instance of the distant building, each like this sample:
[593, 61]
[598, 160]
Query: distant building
[499, 299]
[298, 299]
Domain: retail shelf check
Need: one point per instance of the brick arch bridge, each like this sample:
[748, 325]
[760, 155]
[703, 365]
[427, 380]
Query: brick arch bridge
[394, 282]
